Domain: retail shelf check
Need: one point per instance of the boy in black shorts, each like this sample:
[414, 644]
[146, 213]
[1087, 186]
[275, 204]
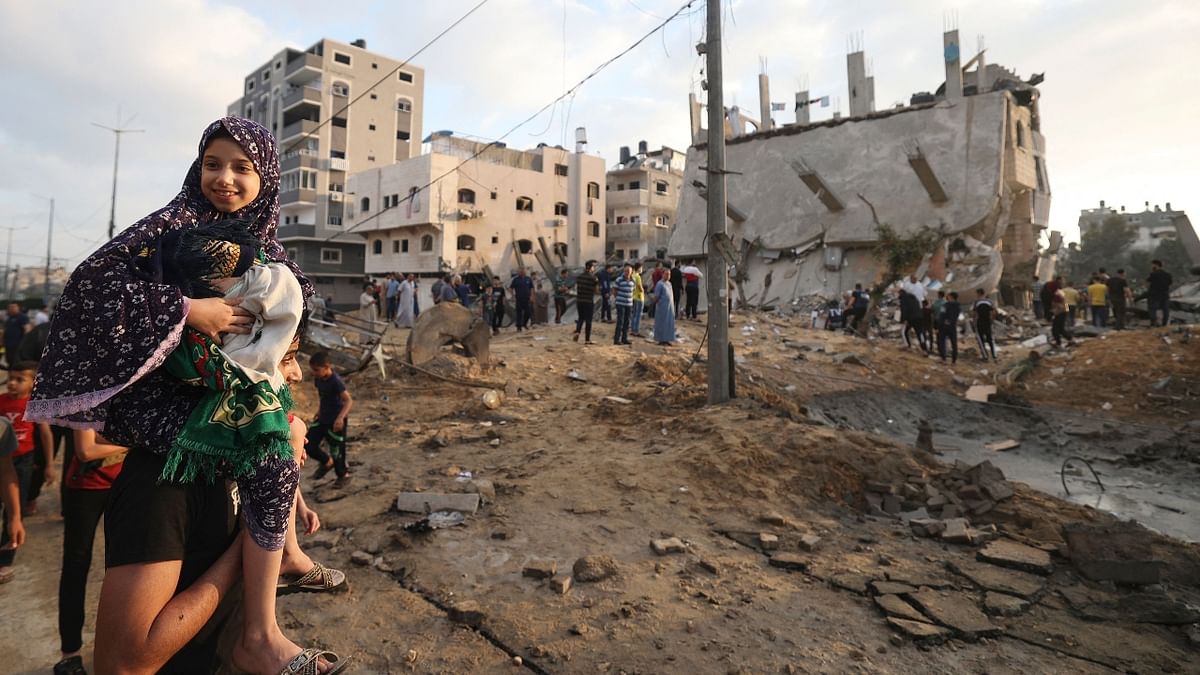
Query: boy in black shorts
[330, 424]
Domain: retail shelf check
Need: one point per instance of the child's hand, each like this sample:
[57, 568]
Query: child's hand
[51, 475]
[307, 519]
[213, 316]
[16, 534]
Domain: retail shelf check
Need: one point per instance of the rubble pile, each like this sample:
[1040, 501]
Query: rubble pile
[941, 504]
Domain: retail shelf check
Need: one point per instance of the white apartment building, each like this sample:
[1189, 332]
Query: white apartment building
[502, 208]
[302, 97]
[1151, 226]
[643, 199]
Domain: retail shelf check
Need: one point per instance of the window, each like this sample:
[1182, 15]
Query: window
[250, 85]
[593, 228]
[495, 239]
[661, 187]
[560, 169]
[524, 246]
[619, 253]
[308, 179]
[660, 221]
[337, 154]
[278, 65]
[403, 105]
[466, 196]
[560, 208]
[374, 66]
[292, 253]
[341, 58]
[371, 127]
[331, 255]
[374, 96]
[635, 219]
[1020, 135]
[395, 246]
[524, 204]
[402, 135]
[620, 186]
[621, 219]
[340, 89]
[560, 249]
[249, 111]
[405, 77]
[593, 190]
[370, 158]
[466, 242]
[339, 122]
[364, 204]
[493, 195]
[336, 187]
[404, 246]
[266, 75]
[635, 185]
[427, 243]
[335, 221]
[377, 247]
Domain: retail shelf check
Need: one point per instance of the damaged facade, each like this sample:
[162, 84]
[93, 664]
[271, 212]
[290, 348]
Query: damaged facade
[464, 207]
[643, 202]
[805, 200]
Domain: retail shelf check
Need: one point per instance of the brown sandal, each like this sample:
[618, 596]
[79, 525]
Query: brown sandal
[318, 579]
[307, 663]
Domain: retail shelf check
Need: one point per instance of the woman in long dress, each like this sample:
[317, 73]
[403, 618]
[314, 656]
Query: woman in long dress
[404, 309]
[664, 311]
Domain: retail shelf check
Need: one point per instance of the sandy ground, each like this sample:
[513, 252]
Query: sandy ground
[576, 474]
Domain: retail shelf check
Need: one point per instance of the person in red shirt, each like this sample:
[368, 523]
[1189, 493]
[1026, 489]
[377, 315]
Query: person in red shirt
[92, 466]
[12, 406]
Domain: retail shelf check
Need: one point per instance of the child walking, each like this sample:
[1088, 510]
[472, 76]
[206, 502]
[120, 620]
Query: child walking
[13, 404]
[330, 423]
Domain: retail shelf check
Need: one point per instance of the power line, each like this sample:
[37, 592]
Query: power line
[522, 123]
[390, 73]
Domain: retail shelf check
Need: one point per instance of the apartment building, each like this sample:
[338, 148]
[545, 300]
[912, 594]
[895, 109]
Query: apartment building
[501, 209]
[1151, 226]
[302, 97]
[643, 199]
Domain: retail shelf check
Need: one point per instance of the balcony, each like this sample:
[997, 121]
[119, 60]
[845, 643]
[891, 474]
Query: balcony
[298, 159]
[297, 230]
[301, 196]
[303, 68]
[297, 128]
[305, 95]
[626, 198]
[339, 164]
[627, 231]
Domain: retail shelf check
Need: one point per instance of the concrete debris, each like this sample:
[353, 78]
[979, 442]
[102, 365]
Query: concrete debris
[668, 546]
[444, 324]
[362, 558]
[773, 518]
[891, 588]
[956, 611]
[849, 360]
[492, 399]
[1002, 604]
[1014, 555]
[1035, 341]
[855, 583]
[980, 392]
[429, 502]
[1006, 444]
[810, 542]
[1156, 608]
[789, 561]
[768, 541]
[575, 375]
[939, 506]
[592, 568]
[540, 569]
[892, 605]
[1120, 553]
[618, 399]
[919, 631]
[992, 578]
[485, 489]
[560, 583]
[467, 612]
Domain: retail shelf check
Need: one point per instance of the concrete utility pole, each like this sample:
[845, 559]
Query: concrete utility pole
[717, 273]
[4, 285]
[112, 214]
[49, 247]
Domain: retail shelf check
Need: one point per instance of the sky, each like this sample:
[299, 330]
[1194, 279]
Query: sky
[1118, 103]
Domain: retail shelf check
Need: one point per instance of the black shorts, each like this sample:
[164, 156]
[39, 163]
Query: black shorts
[147, 521]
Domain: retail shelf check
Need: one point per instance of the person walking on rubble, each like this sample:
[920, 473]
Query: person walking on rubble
[948, 327]
[1158, 296]
[1097, 293]
[1058, 329]
[1118, 297]
[983, 311]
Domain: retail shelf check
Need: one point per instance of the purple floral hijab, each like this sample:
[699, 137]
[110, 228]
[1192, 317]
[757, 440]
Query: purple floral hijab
[112, 326]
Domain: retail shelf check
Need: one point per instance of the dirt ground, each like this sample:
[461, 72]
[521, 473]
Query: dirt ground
[568, 472]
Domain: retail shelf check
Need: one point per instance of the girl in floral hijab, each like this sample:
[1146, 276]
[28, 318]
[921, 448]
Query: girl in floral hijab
[115, 326]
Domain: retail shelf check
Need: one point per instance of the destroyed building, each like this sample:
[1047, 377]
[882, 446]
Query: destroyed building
[643, 202]
[805, 200]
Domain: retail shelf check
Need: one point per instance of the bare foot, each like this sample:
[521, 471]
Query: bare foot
[267, 655]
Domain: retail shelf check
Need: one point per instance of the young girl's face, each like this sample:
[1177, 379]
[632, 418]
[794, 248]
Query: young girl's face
[289, 367]
[227, 176]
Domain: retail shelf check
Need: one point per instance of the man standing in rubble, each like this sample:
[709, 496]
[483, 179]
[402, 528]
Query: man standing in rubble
[859, 301]
[1038, 306]
[1118, 297]
[522, 288]
[1158, 296]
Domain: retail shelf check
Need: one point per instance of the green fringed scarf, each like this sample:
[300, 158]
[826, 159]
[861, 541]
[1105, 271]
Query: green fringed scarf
[238, 423]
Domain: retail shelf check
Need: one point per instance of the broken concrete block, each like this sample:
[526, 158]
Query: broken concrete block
[767, 541]
[560, 583]
[892, 504]
[772, 518]
[540, 569]
[936, 500]
[1120, 553]
[428, 502]
[855, 583]
[958, 531]
[919, 631]
[980, 392]
[668, 546]
[927, 527]
[891, 588]
[810, 542]
[879, 487]
[1014, 555]
[1001, 446]
[789, 561]
[592, 568]
[998, 491]
[956, 610]
[992, 578]
[950, 511]
[970, 493]
[892, 605]
[982, 506]
[1002, 604]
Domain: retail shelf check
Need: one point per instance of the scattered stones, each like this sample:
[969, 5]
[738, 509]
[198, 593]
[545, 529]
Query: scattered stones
[1014, 555]
[919, 631]
[773, 518]
[892, 605]
[560, 583]
[955, 610]
[767, 541]
[593, 568]
[810, 542]
[855, 583]
[992, 578]
[540, 569]
[891, 588]
[1002, 604]
[957, 531]
[789, 561]
[927, 527]
[362, 558]
[668, 546]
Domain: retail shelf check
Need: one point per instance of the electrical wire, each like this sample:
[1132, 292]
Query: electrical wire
[520, 124]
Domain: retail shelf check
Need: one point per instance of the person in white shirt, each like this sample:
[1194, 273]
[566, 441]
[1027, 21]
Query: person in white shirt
[916, 288]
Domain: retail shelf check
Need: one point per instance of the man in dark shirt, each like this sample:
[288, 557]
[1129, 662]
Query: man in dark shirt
[1158, 296]
[15, 327]
[497, 303]
[585, 293]
[677, 283]
[1118, 288]
[983, 309]
[859, 302]
[522, 288]
[606, 279]
[1048, 290]
[948, 327]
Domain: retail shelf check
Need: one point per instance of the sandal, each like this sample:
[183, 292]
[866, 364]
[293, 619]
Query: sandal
[318, 579]
[72, 665]
[7, 575]
[306, 663]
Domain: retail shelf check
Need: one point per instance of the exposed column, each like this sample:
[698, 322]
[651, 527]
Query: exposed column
[951, 53]
[802, 113]
[764, 103]
[856, 76]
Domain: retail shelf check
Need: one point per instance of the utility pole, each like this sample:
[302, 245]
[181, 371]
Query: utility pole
[8, 259]
[49, 248]
[112, 213]
[717, 272]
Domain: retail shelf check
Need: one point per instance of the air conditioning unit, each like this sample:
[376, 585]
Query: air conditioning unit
[335, 196]
[557, 222]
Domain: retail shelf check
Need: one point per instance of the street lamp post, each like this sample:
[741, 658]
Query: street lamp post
[49, 247]
[112, 213]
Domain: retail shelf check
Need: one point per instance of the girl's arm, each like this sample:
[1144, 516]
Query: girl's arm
[47, 435]
[89, 446]
[10, 496]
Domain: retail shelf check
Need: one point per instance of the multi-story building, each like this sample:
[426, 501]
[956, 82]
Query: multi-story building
[464, 206]
[304, 98]
[1151, 225]
[643, 198]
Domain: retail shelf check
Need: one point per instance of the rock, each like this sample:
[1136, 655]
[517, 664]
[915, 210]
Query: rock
[773, 518]
[891, 588]
[1134, 608]
[767, 541]
[892, 504]
[955, 610]
[560, 583]
[495, 442]
[855, 583]
[810, 542]
[1006, 444]
[1002, 604]
[789, 561]
[998, 492]
[919, 631]
[540, 569]
[878, 487]
[579, 629]
[485, 489]
[980, 393]
[428, 502]
[1086, 330]
[668, 546]
[592, 568]
[957, 531]
[325, 538]
[950, 511]
[992, 578]
[467, 613]
[1120, 553]
[892, 605]
[926, 527]
[970, 493]
[849, 360]
[362, 558]
[492, 399]
[1008, 553]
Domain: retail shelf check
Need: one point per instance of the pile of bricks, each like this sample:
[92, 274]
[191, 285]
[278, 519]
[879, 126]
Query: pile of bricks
[942, 504]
